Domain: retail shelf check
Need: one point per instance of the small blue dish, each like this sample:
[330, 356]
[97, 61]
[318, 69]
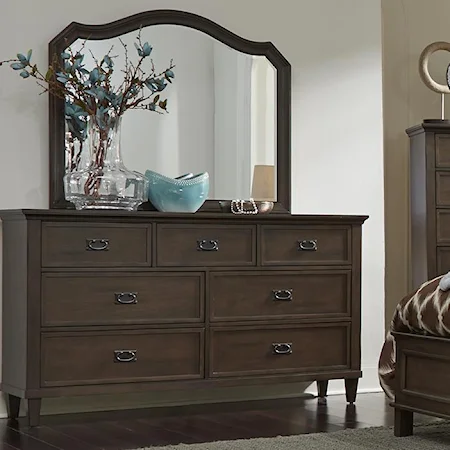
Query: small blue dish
[185, 194]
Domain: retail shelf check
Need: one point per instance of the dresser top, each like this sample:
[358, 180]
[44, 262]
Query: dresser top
[155, 216]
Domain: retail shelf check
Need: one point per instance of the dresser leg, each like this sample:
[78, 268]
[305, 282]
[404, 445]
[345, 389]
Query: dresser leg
[34, 411]
[13, 406]
[322, 387]
[351, 386]
[403, 423]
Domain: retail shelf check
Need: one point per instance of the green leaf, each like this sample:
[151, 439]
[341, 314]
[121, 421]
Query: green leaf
[49, 74]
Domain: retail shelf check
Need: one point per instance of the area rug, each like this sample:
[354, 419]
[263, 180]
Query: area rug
[434, 436]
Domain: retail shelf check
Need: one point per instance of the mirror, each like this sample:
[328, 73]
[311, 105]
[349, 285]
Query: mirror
[228, 108]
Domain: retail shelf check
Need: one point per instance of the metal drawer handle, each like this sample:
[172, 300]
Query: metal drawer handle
[308, 245]
[97, 245]
[125, 356]
[208, 245]
[284, 295]
[126, 298]
[282, 348]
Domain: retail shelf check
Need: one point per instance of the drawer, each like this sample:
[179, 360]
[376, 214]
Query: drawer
[205, 245]
[279, 349]
[305, 245]
[443, 226]
[442, 142]
[120, 357]
[115, 298]
[443, 260]
[443, 188]
[95, 245]
[279, 295]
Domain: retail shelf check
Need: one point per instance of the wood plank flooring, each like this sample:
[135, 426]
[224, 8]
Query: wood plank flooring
[121, 430]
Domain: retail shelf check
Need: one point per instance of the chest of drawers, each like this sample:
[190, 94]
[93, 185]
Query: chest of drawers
[113, 302]
[430, 200]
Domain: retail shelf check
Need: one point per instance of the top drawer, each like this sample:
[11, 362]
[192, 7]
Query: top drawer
[305, 245]
[95, 245]
[442, 150]
[205, 245]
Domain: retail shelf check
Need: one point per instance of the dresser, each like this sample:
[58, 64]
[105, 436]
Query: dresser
[98, 302]
[430, 200]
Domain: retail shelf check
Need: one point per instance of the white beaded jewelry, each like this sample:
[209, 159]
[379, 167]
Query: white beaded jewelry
[237, 207]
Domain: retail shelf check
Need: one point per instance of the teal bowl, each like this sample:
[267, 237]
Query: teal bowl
[185, 194]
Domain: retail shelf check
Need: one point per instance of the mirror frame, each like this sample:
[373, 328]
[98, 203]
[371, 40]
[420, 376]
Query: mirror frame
[109, 30]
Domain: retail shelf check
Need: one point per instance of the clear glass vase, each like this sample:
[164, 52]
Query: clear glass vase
[105, 183]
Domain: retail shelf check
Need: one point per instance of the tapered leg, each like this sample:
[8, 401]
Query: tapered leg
[13, 405]
[403, 423]
[34, 411]
[351, 387]
[322, 387]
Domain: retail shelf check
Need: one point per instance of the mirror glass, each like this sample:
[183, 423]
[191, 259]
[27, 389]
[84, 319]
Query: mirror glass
[221, 113]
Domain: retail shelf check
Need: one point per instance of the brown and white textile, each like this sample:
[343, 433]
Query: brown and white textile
[426, 312]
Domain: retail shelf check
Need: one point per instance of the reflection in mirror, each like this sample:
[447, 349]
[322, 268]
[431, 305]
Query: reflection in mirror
[221, 114]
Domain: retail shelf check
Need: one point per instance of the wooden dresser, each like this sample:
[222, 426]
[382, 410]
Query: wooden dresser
[114, 302]
[430, 200]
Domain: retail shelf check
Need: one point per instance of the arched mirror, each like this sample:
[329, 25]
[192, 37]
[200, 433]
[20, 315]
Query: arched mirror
[228, 114]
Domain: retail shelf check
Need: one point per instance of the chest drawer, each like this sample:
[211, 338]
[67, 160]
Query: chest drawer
[443, 226]
[128, 356]
[442, 142]
[95, 245]
[204, 245]
[279, 349]
[443, 188]
[305, 245]
[279, 295]
[112, 298]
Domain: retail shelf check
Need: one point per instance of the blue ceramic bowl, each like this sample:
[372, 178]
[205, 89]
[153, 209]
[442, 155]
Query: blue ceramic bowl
[185, 194]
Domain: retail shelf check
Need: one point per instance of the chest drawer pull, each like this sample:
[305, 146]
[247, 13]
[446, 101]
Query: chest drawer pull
[208, 245]
[284, 295]
[126, 298]
[97, 245]
[308, 245]
[125, 356]
[282, 348]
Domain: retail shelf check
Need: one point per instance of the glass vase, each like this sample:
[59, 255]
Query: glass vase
[105, 183]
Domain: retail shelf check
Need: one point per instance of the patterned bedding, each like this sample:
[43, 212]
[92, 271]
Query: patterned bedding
[424, 311]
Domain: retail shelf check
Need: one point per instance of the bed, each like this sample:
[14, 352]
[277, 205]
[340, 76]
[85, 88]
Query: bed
[414, 364]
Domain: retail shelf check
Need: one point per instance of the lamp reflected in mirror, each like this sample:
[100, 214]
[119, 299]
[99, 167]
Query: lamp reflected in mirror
[263, 183]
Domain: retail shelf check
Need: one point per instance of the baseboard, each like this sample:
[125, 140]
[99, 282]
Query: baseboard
[67, 405]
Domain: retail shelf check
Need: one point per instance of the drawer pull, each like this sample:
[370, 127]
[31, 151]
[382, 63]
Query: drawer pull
[283, 295]
[126, 298]
[125, 356]
[308, 245]
[282, 348]
[97, 245]
[208, 245]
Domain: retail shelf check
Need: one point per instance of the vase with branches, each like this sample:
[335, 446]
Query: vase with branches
[94, 108]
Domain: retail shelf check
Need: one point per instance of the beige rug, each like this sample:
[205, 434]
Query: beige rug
[426, 437]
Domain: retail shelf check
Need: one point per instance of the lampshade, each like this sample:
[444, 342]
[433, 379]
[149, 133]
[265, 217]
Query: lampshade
[263, 185]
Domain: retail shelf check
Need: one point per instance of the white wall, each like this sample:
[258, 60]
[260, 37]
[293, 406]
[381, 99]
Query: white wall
[337, 161]
[408, 27]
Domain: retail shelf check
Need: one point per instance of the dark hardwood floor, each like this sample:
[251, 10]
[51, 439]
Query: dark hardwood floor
[121, 430]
